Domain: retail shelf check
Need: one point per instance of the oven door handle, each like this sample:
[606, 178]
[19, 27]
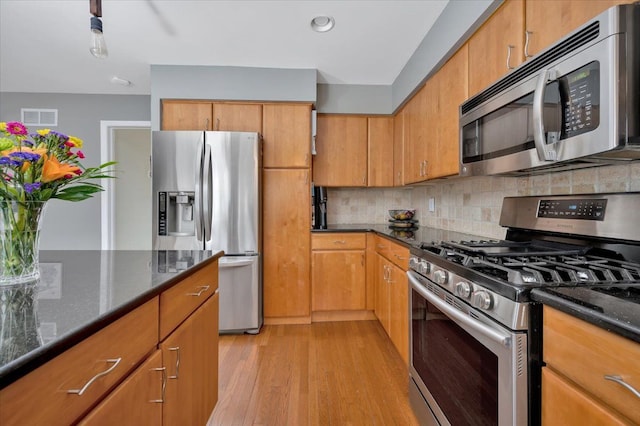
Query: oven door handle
[457, 316]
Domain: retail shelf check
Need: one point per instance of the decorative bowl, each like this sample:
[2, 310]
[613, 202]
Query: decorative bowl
[403, 214]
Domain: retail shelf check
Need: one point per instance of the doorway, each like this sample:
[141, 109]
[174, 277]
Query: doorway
[126, 200]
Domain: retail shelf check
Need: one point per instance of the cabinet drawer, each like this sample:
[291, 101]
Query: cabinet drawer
[585, 354]
[339, 241]
[42, 397]
[177, 303]
[394, 252]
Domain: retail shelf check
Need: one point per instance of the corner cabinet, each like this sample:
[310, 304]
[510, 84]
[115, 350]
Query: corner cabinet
[341, 145]
[582, 361]
[122, 375]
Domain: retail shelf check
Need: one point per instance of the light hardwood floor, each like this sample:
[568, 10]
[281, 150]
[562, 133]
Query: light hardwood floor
[328, 373]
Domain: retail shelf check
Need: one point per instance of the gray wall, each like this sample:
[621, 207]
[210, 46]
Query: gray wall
[229, 83]
[78, 115]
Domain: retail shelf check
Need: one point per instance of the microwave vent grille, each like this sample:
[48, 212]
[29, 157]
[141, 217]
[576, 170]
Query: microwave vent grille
[580, 38]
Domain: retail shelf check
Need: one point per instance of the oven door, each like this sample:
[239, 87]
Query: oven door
[468, 368]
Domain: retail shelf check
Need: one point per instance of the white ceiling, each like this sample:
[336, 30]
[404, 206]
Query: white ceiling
[44, 43]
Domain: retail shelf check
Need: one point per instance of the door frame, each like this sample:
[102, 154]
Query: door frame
[107, 197]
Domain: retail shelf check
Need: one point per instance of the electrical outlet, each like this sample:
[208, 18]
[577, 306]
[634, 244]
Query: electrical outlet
[432, 204]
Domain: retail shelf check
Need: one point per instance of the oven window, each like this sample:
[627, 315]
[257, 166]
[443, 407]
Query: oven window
[459, 372]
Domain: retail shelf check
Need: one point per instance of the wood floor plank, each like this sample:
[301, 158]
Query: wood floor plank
[327, 373]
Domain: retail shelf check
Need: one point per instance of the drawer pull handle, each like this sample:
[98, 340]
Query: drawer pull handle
[339, 242]
[380, 246]
[199, 293]
[177, 351]
[79, 392]
[399, 257]
[164, 384]
[621, 382]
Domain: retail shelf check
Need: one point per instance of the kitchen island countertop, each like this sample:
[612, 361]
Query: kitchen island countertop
[81, 292]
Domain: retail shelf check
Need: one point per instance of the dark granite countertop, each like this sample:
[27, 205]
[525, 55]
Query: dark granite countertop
[618, 314]
[79, 293]
[411, 237]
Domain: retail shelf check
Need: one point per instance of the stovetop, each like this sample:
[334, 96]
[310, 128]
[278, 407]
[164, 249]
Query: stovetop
[512, 268]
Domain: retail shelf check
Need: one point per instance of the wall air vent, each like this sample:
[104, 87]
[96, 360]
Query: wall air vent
[39, 117]
[570, 44]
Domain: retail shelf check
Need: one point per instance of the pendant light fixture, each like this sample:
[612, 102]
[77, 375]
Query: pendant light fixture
[97, 47]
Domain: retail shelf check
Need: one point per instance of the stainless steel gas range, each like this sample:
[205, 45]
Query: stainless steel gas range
[475, 335]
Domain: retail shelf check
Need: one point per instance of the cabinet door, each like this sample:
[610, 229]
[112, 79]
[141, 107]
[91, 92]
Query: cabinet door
[341, 146]
[138, 400]
[451, 84]
[286, 130]
[399, 311]
[187, 115]
[398, 148]
[338, 280]
[497, 46]
[190, 360]
[416, 134]
[382, 292]
[237, 117]
[287, 242]
[564, 404]
[380, 152]
[547, 21]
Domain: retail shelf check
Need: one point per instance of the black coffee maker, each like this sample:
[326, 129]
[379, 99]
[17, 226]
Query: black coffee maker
[319, 203]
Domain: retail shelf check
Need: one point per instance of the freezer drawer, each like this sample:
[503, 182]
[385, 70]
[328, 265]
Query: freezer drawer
[240, 282]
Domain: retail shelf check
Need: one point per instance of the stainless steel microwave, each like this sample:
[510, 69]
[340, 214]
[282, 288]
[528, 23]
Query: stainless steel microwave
[574, 105]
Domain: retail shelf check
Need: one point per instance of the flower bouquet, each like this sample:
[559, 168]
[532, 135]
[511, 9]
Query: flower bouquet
[35, 167]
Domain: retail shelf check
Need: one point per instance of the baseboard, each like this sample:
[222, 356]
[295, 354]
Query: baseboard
[324, 316]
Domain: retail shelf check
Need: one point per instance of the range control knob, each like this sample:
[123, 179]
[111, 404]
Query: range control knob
[481, 299]
[441, 277]
[413, 263]
[463, 289]
[425, 267]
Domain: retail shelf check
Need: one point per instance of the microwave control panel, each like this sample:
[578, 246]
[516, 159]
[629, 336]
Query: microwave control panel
[581, 100]
[587, 209]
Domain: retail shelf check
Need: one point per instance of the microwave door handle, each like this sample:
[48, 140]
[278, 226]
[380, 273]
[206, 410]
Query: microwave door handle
[198, 195]
[545, 152]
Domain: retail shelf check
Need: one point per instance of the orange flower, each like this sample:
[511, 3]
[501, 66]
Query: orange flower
[52, 169]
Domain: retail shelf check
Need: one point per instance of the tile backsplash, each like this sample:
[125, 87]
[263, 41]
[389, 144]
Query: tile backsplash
[472, 205]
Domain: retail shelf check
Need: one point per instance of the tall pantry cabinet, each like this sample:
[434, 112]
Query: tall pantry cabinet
[287, 212]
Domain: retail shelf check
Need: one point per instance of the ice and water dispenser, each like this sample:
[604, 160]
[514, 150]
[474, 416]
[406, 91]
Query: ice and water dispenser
[176, 215]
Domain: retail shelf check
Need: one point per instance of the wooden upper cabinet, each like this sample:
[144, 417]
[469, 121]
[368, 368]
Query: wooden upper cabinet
[547, 21]
[398, 148]
[443, 156]
[186, 115]
[286, 129]
[381, 151]
[497, 46]
[416, 134]
[237, 117]
[341, 146]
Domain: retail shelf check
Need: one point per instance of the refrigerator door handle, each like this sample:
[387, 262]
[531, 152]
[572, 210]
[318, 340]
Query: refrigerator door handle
[198, 195]
[206, 193]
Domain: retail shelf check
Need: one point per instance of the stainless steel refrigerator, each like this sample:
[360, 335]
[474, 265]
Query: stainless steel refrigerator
[207, 196]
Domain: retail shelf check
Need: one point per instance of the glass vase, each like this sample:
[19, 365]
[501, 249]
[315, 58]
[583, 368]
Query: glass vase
[19, 323]
[19, 240]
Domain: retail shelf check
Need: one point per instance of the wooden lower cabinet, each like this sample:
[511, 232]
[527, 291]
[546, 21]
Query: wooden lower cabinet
[189, 355]
[339, 272]
[392, 293]
[580, 360]
[138, 400]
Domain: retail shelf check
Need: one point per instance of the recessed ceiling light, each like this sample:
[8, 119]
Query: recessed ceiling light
[322, 24]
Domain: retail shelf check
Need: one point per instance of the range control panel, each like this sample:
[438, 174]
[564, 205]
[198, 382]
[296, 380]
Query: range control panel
[587, 209]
